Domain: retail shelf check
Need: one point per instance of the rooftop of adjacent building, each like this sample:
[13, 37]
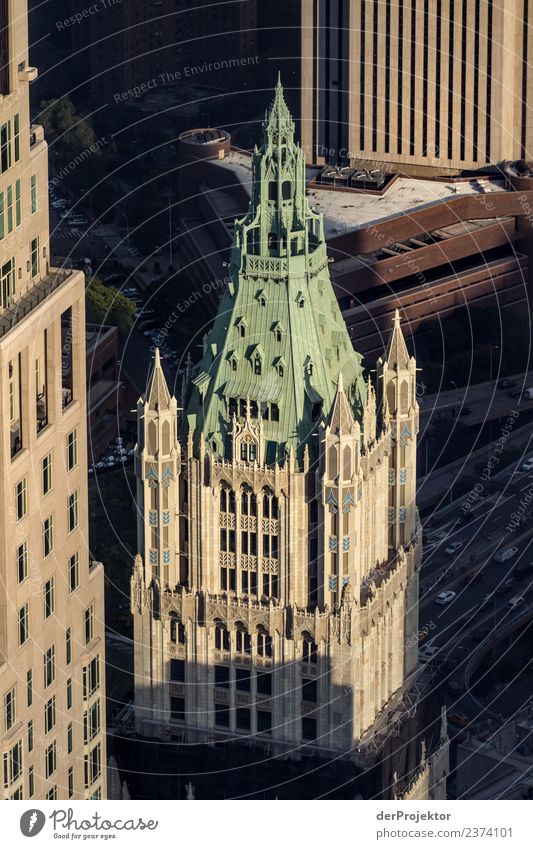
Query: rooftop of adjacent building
[347, 210]
[30, 300]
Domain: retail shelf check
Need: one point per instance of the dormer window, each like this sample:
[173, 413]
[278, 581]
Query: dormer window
[279, 365]
[261, 299]
[277, 330]
[241, 327]
[232, 359]
[257, 364]
[300, 300]
[248, 451]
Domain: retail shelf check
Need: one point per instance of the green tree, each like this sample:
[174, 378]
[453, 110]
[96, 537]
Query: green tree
[68, 134]
[106, 305]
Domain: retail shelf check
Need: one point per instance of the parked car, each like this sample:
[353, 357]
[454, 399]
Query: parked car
[505, 554]
[529, 393]
[527, 465]
[516, 601]
[454, 547]
[445, 597]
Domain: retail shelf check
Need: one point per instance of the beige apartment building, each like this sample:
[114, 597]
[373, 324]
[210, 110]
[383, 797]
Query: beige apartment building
[51, 595]
[446, 84]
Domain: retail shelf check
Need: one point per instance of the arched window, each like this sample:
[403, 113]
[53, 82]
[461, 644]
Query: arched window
[347, 463]
[310, 650]
[178, 633]
[233, 362]
[152, 438]
[270, 504]
[222, 641]
[248, 502]
[278, 334]
[274, 413]
[264, 643]
[257, 365]
[227, 499]
[248, 451]
[332, 462]
[174, 622]
[404, 397]
[243, 640]
[286, 190]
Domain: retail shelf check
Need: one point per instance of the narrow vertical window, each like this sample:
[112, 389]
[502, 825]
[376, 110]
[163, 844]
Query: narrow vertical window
[33, 193]
[73, 572]
[72, 450]
[17, 204]
[22, 562]
[34, 254]
[16, 128]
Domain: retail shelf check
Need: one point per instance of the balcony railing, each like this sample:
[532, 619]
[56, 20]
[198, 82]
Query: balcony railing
[10, 316]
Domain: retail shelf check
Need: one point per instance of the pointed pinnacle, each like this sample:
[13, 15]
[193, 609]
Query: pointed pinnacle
[340, 384]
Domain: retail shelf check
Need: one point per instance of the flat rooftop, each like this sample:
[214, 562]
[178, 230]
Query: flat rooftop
[348, 210]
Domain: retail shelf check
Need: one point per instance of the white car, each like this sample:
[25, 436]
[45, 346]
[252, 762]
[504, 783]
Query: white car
[445, 597]
[527, 466]
[453, 547]
[515, 602]
[505, 554]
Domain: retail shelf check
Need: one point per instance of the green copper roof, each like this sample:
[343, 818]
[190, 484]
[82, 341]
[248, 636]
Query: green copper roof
[279, 338]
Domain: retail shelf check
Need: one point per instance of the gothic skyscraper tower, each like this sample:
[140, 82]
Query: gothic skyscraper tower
[275, 591]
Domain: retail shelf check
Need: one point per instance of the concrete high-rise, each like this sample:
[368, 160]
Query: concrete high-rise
[438, 83]
[51, 595]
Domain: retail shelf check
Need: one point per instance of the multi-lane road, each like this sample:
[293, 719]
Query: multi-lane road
[483, 587]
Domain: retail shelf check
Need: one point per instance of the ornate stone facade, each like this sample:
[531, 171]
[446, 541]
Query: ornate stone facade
[275, 593]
